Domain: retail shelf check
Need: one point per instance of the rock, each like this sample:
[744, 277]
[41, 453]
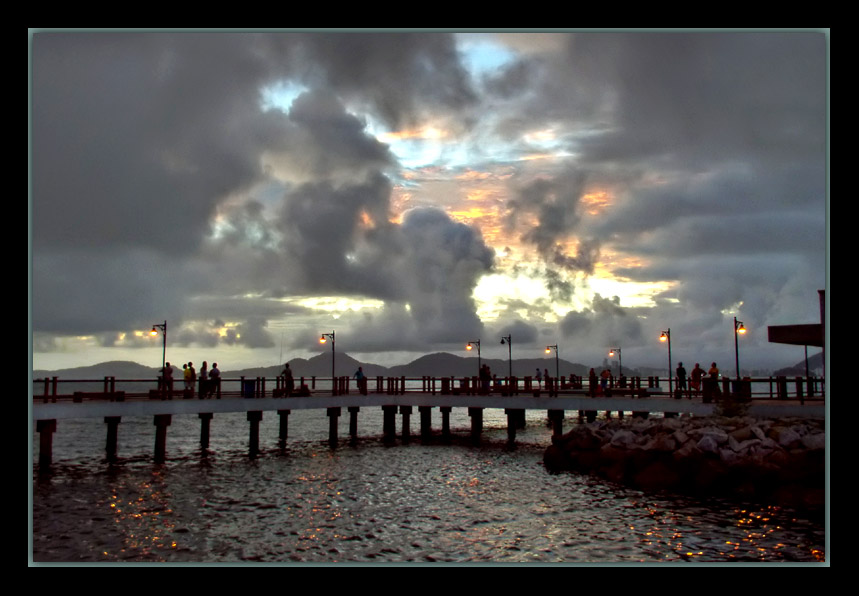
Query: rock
[624, 438]
[717, 434]
[814, 441]
[787, 437]
[708, 444]
[746, 457]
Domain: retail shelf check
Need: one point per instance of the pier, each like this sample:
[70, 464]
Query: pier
[395, 396]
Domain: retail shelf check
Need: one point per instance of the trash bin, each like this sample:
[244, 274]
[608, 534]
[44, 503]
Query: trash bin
[709, 389]
[248, 389]
[742, 389]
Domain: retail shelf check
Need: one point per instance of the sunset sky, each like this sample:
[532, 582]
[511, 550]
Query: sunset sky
[413, 191]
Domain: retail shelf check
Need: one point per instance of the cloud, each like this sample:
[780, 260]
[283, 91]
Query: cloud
[163, 187]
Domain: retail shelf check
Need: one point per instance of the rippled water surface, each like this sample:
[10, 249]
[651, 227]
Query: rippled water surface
[372, 503]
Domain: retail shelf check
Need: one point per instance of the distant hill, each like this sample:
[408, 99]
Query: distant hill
[815, 366]
[439, 364]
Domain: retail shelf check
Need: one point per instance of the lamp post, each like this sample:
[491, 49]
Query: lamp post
[508, 339]
[469, 347]
[153, 333]
[739, 329]
[666, 336]
[612, 352]
[322, 340]
[549, 351]
[557, 382]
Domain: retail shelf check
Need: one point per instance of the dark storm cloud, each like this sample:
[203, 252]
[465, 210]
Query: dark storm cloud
[157, 179]
[400, 76]
[142, 141]
[606, 324]
[713, 148]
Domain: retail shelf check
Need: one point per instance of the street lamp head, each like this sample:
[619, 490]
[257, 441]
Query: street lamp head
[548, 350]
[154, 332]
[468, 347]
[663, 337]
[740, 328]
[322, 339]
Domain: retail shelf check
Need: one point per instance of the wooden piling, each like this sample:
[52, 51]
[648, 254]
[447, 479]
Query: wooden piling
[205, 424]
[389, 423]
[162, 421]
[445, 421]
[333, 417]
[476, 415]
[556, 417]
[426, 422]
[353, 423]
[406, 411]
[112, 434]
[512, 423]
[254, 417]
[284, 427]
[46, 429]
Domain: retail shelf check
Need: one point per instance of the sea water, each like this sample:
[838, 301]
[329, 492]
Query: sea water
[412, 502]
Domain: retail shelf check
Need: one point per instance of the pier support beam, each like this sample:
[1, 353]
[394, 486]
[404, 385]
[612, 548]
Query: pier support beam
[205, 425]
[333, 417]
[254, 417]
[556, 418]
[445, 422]
[353, 423]
[112, 434]
[162, 421]
[513, 416]
[406, 411]
[389, 423]
[284, 427]
[426, 422]
[476, 424]
[46, 429]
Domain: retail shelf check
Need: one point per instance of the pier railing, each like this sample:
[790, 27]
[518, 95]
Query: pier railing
[53, 389]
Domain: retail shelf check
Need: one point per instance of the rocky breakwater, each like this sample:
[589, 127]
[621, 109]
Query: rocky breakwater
[773, 460]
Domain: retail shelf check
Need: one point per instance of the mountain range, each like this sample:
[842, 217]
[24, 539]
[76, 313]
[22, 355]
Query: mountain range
[439, 364]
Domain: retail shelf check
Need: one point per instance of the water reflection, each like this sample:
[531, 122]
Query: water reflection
[369, 503]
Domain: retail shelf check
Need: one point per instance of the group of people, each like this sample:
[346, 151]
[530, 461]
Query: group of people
[209, 379]
[543, 376]
[695, 377]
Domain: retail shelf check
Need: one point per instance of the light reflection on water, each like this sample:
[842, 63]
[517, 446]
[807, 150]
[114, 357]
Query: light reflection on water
[369, 502]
